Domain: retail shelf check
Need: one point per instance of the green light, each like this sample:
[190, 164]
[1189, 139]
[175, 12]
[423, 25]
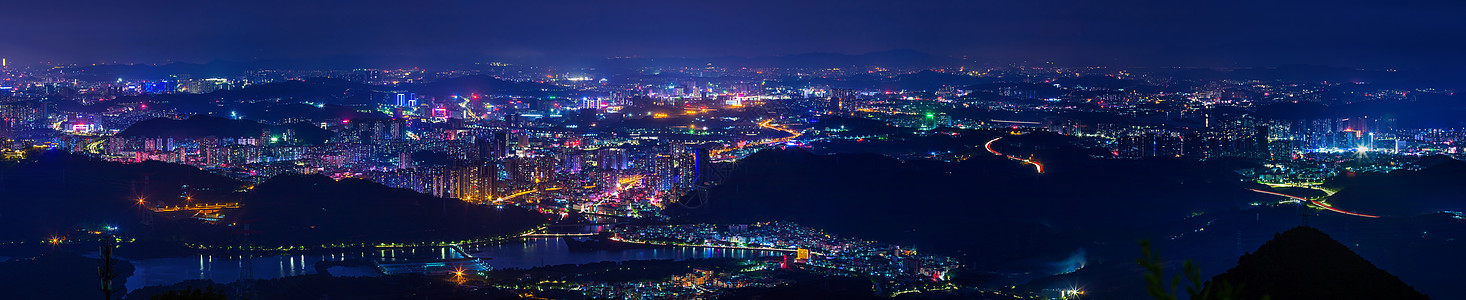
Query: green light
[930, 115]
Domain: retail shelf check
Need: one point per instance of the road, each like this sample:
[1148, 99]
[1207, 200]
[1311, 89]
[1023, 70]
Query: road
[768, 124]
[618, 239]
[1329, 208]
[532, 235]
[514, 195]
[1036, 166]
[201, 206]
[1311, 186]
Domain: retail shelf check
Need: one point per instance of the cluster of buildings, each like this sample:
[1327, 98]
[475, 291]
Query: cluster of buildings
[627, 144]
[630, 145]
[808, 247]
[617, 175]
[1282, 122]
[698, 284]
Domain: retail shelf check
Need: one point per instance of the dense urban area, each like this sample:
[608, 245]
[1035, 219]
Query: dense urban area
[614, 158]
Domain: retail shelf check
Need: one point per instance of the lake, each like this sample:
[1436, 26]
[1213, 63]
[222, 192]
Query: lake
[517, 254]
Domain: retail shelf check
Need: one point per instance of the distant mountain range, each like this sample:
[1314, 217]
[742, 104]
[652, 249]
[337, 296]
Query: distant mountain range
[900, 57]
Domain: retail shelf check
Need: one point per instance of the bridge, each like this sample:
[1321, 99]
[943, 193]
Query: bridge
[514, 195]
[618, 239]
[534, 235]
[193, 207]
[1319, 204]
[522, 193]
[1310, 185]
[767, 124]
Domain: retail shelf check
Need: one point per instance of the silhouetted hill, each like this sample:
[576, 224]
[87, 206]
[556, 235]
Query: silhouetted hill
[1403, 192]
[314, 210]
[1305, 263]
[200, 126]
[1005, 212]
[194, 127]
[928, 80]
[57, 275]
[287, 112]
[316, 91]
[1416, 249]
[59, 192]
[1403, 79]
[482, 84]
[311, 88]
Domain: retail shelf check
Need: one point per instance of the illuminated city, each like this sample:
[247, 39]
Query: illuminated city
[709, 150]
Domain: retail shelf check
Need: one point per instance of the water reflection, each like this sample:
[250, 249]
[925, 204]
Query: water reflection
[538, 252]
[520, 254]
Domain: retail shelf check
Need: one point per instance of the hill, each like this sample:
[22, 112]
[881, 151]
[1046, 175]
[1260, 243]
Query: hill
[1403, 192]
[57, 275]
[481, 84]
[357, 210]
[310, 210]
[1305, 263]
[58, 193]
[1020, 216]
[200, 126]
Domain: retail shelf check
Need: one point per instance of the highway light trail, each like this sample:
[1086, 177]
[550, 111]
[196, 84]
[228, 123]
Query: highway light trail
[206, 206]
[1330, 208]
[1036, 166]
[989, 146]
[514, 195]
[768, 124]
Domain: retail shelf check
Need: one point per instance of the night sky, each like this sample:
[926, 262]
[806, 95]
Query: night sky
[1407, 34]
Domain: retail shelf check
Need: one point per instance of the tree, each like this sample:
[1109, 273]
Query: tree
[1160, 289]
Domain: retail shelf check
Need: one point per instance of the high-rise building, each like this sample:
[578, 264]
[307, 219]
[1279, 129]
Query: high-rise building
[1261, 135]
[404, 160]
[475, 181]
[612, 159]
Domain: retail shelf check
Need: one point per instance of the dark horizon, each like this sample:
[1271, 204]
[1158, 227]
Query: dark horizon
[1134, 33]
